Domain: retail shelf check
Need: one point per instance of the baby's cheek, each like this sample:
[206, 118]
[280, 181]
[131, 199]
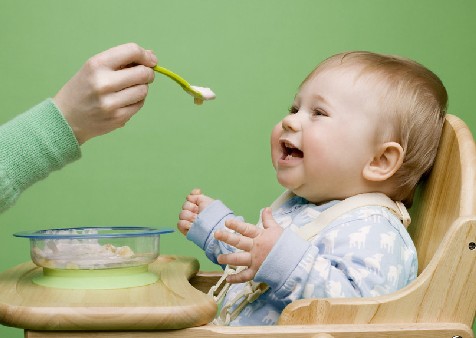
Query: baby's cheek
[275, 146]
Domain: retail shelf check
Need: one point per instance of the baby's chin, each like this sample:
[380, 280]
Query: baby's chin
[300, 192]
[286, 184]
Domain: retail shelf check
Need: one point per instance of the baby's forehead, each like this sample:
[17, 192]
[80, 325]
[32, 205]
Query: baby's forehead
[356, 77]
[354, 71]
[342, 85]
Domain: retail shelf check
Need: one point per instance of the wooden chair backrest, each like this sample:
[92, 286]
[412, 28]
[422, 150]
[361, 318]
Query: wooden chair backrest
[447, 193]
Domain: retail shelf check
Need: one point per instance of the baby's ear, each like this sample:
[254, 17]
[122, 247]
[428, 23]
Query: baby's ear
[386, 162]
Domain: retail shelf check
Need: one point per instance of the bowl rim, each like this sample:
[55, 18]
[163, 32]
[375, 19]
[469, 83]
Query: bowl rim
[123, 232]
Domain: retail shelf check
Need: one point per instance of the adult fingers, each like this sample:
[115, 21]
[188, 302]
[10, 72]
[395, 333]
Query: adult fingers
[243, 228]
[125, 78]
[125, 98]
[238, 241]
[123, 55]
[127, 112]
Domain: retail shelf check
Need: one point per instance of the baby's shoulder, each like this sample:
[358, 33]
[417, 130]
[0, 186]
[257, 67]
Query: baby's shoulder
[373, 221]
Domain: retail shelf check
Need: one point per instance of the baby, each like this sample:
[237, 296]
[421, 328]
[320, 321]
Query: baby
[362, 124]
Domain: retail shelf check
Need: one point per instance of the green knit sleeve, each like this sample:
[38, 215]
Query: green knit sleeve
[32, 145]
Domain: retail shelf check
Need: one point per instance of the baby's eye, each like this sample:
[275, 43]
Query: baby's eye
[318, 112]
[293, 110]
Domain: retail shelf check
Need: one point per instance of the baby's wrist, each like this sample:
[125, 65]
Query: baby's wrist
[282, 260]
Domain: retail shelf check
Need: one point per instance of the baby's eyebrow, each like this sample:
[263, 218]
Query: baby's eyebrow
[320, 98]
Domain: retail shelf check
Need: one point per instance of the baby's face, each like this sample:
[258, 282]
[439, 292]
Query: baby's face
[320, 149]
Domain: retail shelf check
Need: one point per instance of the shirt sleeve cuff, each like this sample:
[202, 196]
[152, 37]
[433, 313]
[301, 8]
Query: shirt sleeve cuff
[282, 260]
[206, 222]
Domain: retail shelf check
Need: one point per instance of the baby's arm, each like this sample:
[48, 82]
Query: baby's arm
[351, 259]
[200, 217]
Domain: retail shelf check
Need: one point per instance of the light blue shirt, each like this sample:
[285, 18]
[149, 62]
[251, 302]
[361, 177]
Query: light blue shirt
[364, 253]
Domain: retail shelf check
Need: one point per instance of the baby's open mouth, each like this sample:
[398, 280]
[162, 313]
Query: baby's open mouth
[290, 151]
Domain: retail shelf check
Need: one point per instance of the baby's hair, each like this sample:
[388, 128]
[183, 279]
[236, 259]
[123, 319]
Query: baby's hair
[413, 106]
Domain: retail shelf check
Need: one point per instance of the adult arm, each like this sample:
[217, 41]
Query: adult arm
[32, 145]
[102, 96]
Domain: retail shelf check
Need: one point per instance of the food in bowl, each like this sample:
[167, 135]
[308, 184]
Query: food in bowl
[94, 247]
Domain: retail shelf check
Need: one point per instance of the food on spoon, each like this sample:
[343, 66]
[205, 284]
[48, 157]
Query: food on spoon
[207, 94]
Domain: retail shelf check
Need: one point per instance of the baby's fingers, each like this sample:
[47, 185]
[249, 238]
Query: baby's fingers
[184, 226]
[241, 277]
[187, 205]
[240, 258]
[248, 230]
[268, 219]
[187, 215]
[196, 191]
[238, 241]
[194, 195]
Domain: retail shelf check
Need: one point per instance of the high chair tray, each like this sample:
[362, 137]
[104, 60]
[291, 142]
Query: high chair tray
[170, 303]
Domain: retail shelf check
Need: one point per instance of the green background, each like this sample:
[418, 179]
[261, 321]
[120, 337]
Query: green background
[253, 54]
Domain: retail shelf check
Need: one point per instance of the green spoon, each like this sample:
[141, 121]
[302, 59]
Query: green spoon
[199, 93]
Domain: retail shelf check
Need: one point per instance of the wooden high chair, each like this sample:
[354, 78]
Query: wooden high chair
[441, 302]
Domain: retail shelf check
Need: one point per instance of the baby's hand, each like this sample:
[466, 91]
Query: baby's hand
[255, 242]
[193, 205]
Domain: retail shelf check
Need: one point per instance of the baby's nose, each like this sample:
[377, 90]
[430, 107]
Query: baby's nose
[291, 123]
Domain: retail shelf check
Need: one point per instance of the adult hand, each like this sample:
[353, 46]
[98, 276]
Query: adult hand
[255, 242]
[107, 91]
